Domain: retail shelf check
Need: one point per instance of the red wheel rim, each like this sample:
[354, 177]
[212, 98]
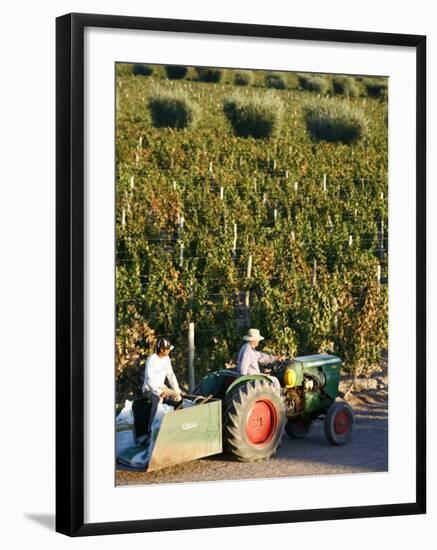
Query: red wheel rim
[261, 422]
[342, 422]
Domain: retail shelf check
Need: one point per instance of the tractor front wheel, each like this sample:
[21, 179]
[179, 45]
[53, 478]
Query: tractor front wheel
[339, 421]
[253, 421]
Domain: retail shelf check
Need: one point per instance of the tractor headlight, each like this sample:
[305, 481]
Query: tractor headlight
[289, 378]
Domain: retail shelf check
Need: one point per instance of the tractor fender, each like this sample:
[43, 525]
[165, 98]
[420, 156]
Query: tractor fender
[246, 378]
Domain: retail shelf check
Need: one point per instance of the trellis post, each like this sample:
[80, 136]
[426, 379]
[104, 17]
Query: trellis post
[181, 255]
[191, 348]
[234, 244]
[248, 276]
[314, 274]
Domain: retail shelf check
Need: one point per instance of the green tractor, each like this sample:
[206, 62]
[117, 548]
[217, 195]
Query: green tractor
[255, 413]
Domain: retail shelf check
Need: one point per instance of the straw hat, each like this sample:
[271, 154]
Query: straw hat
[252, 335]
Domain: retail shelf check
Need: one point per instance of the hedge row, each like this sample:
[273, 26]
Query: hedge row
[348, 86]
[261, 117]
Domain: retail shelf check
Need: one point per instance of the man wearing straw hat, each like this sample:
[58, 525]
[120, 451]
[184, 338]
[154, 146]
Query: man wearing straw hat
[249, 359]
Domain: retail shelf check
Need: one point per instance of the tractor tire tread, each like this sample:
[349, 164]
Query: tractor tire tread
[234, 442]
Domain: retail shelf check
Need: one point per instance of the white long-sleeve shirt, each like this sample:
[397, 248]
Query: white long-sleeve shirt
[249, 360]
[157, 369]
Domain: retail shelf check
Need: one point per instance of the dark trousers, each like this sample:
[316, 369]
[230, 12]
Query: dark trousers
[156, 400]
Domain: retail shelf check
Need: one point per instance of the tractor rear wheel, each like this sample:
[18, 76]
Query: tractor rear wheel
[298, 429]
[339, 422]
[253, 421]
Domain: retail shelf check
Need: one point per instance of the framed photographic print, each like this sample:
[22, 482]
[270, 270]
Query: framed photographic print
[240, 274]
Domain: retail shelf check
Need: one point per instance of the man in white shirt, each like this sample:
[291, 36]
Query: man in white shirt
[249, 359]
[158, 368]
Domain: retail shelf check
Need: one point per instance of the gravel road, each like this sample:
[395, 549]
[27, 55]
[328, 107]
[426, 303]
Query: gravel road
[367, 451]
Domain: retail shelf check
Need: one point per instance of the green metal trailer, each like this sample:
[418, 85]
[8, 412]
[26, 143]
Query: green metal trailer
[185, 434]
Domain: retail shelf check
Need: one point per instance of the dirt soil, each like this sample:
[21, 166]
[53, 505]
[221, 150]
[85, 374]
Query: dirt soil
[367, 450]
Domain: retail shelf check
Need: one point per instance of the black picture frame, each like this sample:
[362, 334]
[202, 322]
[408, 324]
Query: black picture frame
[70, 273]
